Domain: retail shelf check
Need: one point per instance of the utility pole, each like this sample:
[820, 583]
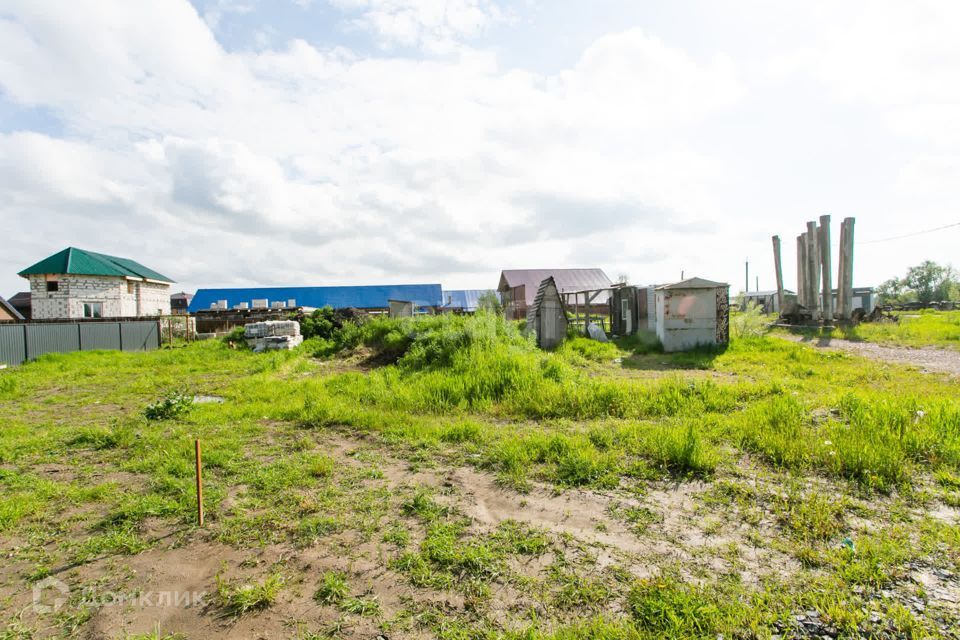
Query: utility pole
[746, 279]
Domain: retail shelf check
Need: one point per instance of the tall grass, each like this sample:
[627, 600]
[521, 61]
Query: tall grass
[914, 329]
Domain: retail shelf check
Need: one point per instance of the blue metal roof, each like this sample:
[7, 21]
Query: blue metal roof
[362, 297]
[465, 299]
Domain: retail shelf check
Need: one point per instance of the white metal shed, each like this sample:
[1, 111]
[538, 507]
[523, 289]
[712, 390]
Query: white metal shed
[693, 312]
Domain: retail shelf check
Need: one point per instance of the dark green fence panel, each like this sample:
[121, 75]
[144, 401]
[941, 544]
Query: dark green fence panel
[100, 335]
[13, 349]
[21, 342]
[51, 338]
[139, 336]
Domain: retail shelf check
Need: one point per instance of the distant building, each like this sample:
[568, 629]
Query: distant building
[371, 298]
[768, 300]
[180, 302]
[21, 302]
[519, 287]
[79, 284]
[693, 312]
[463, 300]
[863, 298]
[8, 313]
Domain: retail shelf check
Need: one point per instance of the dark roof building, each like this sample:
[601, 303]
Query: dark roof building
[518, 287]
[369, 297]
[180, 302]
[21, 302]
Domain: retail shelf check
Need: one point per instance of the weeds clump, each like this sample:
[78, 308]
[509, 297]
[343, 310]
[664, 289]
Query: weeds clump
[333, 588]
[172, 405]
[236, 339]
[237, 600]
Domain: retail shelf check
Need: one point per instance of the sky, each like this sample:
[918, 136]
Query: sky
[329, 142]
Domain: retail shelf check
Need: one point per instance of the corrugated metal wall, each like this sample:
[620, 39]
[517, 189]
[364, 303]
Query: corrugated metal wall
[139, 336]
[51, 338]
[21, 342]
[96, 335]
[13, 349]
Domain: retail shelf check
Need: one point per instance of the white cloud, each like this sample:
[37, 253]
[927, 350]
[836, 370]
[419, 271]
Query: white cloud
[369, 167]
[309, 163]
[437, 26]
[900, 58]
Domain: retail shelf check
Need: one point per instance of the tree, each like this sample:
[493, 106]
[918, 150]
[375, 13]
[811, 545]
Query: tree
[893, 290]
[489, 301]
[930, 281]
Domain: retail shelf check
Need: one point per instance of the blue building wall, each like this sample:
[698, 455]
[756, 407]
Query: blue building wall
[361, 297]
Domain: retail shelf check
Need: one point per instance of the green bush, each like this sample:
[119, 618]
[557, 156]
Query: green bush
[236, 339]
[321, 323]
[174, 404]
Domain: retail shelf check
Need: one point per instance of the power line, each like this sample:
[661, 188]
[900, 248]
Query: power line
[910, 235]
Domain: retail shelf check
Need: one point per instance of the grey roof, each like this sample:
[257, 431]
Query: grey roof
[566, 280]
[10, 309]
[183, 295]
[694, 283]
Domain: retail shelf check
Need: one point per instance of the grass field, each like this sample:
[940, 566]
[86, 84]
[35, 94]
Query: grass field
[912, 329]
[441, 477]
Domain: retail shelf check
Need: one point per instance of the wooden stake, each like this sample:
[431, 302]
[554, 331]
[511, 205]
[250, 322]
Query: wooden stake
[199, 485]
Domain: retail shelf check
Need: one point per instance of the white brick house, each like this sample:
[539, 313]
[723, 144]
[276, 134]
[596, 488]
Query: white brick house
[78, 284]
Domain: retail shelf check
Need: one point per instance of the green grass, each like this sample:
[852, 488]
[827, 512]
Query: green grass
[925, 328]
[333, 588]
[765, 432]
[239, 599]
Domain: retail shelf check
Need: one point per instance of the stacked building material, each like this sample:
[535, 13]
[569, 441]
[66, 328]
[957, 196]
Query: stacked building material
[273, 335]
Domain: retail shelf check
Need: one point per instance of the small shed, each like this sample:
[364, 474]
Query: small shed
[693, 312]
[632, 310]
[547, 316]
[401, 308]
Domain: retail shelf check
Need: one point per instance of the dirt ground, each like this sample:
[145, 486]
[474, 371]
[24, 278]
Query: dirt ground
[926, 360]
[586, 524]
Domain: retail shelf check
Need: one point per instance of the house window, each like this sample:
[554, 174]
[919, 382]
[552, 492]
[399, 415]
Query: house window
[624, 309]
[53, 285]
[92, 309]
[130, 287]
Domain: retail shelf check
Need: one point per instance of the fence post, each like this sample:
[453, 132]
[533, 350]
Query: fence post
[26, 344]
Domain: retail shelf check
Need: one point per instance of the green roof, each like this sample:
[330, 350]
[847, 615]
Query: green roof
[88, 263]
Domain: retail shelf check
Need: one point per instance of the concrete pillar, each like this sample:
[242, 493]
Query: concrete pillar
[841, 269]
[813, 271]
[801, 269]
[778, 272]
[845, 286]
[827, 268]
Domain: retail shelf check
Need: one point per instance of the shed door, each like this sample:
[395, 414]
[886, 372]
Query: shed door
[548, 318]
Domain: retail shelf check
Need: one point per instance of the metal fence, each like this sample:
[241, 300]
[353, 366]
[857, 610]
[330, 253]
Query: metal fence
[21, 342]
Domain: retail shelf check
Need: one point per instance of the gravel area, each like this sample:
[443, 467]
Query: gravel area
[926, 359]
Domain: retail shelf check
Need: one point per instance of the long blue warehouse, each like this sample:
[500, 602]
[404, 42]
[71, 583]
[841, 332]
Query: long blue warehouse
[361, 297]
